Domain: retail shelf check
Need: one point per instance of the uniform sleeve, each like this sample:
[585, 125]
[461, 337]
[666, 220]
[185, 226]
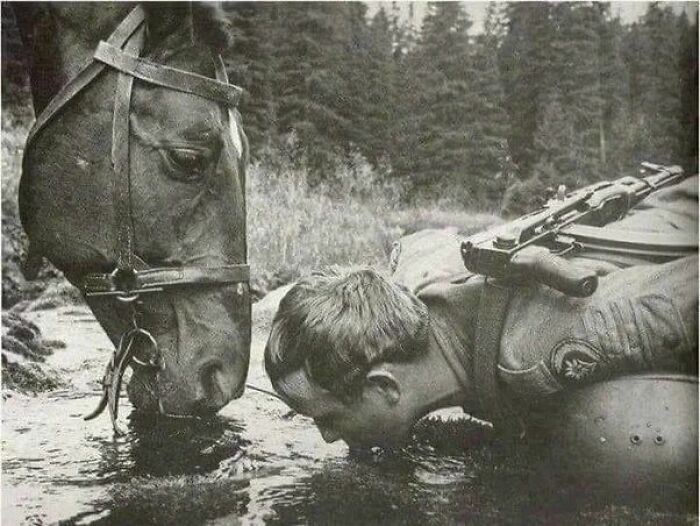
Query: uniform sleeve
[672, 209]
[642, 319]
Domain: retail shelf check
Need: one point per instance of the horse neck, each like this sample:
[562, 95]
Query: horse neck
[62, 38]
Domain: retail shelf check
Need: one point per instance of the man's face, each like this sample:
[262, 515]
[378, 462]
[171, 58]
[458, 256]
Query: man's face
[370, 419]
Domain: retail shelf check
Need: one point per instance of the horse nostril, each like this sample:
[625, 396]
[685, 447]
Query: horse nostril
[213, 384]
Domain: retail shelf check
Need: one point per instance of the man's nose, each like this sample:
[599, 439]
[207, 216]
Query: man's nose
[329, 435]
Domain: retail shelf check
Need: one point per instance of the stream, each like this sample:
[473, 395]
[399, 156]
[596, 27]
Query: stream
[256, 462]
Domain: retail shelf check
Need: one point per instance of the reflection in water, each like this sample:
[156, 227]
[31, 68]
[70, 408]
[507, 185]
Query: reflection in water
[257, 463]
[167, 446]
[486, 485]
[175, 500]
[160, 446]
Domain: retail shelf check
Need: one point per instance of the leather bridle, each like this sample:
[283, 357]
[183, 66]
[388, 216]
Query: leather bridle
[132, 277]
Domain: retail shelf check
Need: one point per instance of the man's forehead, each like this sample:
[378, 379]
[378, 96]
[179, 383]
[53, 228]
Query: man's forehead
[304, 396]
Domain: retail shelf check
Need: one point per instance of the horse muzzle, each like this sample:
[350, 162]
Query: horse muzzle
[188, 348]
[203, 356]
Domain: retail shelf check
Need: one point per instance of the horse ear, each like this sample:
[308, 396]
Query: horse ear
[212, 25]
[207, 22]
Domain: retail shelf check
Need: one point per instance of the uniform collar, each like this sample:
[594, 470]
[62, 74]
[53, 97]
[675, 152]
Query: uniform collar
[456, 353]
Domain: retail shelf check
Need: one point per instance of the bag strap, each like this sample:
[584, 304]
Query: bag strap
[493, 307]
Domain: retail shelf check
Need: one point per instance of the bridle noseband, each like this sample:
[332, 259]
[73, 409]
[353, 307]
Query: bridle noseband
[132, 277]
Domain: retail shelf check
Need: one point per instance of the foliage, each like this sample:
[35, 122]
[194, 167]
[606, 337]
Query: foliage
[351, 219]
[445, 110]
[561, 88]
[249, 66]
[688, 117]
[293, 228]
[525, 72]
[525, 196]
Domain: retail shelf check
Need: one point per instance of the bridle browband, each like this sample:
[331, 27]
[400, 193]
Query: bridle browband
[132, 276]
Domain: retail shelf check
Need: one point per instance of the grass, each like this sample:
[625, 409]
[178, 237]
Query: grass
[16, 122]
[293, 228]
[29, 378]
[175, 500]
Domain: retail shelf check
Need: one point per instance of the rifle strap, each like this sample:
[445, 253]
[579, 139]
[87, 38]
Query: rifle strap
[493, 307]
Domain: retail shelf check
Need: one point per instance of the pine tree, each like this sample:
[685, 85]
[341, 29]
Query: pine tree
[360, 71]
[250, 65]
[309, 46]
[561, 159]
[524, 60]
[446, 134]
[376, 87]
[688, 118]
[407, 93]
[491, 160]
[575, 90]
[403, 28]
[613, 86]
[652, 52]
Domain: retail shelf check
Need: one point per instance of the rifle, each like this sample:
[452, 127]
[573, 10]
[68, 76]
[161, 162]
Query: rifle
[532, 246]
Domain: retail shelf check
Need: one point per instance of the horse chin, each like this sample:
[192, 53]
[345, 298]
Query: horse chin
[142, 390]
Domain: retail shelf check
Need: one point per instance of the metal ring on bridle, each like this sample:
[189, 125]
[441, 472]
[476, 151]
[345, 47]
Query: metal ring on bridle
[127, 298]
[153, 359]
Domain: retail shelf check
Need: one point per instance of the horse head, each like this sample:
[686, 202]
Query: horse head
[156, 195]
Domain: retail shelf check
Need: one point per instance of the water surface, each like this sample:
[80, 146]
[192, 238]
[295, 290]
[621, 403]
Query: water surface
[256, 463]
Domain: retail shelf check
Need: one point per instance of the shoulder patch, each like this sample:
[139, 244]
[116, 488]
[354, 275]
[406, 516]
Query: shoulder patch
[575, 361]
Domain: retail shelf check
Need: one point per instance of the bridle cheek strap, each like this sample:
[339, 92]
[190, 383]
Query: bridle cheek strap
[125, 282]
[121, 161]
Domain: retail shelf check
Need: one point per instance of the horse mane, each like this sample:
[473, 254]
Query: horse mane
[209, 22]
[33, 21]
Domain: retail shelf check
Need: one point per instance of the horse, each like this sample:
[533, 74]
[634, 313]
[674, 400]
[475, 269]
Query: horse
[133, 185]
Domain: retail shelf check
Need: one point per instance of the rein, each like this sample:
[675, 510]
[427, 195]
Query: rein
[133, 277]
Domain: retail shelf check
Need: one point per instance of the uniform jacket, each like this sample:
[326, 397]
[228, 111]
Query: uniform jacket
[642, 317]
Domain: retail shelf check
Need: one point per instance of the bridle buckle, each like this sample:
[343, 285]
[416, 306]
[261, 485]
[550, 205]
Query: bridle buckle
[121, 284]
[124, 285]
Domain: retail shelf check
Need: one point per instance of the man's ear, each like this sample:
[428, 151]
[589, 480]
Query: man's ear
[384, 381]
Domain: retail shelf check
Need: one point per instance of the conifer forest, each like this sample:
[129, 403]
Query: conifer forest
[547, 94]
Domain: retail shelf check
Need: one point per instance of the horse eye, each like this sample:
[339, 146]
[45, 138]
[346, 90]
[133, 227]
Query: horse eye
[189, 164]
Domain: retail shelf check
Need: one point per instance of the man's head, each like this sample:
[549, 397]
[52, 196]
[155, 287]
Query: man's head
[343, 349]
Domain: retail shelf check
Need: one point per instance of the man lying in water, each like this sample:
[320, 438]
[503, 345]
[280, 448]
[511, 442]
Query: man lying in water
[366, 357]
